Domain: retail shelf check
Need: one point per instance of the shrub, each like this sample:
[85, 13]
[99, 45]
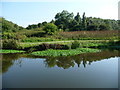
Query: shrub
[55, 46]
[10, 44]
[8, 36]
[75, 45]
[45, 46]
[50, 28]
[31, 49]
[65, 47]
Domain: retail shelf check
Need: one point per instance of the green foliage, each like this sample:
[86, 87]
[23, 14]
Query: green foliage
[31, 49]
[10, 44]
[51, 52]
[67, 22]
[84, 23]
[45, 46]
[104, 27]
[63, 19]
[75, 45]
[11, 51]
[93, 27]
[16, 36]
[34, 26]
[8, 35]
[8, 26]
[38, 39]
[78, 19]
[50, 28]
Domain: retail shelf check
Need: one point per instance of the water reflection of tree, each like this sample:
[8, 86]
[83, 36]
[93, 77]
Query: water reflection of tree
[63, 62]
[70, 61]
[8, 60]
[0, 63]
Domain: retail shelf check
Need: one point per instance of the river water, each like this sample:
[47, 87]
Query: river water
[90, 70]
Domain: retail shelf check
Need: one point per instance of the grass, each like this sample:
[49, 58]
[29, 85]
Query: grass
[51, 52]
[36, 36]
[83, 43]
[38, 39]
[89, 35]
[11, 51]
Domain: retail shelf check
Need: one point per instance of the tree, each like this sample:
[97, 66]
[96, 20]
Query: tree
[118, 24]
[104, 27]
[39, 24]
[33, 26]
[84, 22]
[76, 23]
[92, 27]
[52, 21]
[78, 19]
[44, 23]
[63, 19]
[50, 28]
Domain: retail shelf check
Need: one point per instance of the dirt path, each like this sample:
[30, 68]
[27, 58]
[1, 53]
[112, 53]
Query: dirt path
[64, 41]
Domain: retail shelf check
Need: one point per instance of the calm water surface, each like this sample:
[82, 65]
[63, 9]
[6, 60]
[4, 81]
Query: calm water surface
[91, 70]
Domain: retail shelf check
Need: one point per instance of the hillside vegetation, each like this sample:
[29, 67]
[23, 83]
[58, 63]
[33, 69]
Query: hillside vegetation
[66, 26]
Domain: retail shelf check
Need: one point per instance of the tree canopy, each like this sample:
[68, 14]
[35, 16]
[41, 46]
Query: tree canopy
[50, 28]
[8, 26]
[66, 21]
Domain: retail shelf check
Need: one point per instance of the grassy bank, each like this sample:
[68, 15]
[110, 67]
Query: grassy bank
[83, 43]
[11, 51]
[75, 35]
[51, 52]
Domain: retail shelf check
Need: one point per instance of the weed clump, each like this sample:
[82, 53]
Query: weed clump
[75, 45]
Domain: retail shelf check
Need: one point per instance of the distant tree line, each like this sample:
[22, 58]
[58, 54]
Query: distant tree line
[68, 22]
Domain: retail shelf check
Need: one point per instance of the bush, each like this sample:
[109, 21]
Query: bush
[65, 47]
[31, 49]
[75, 45]
[46, 46]
[50, 28]
[8, 36]
[10, 44]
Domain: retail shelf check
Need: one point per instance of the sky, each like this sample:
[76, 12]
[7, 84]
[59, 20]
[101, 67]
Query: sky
[25, 12]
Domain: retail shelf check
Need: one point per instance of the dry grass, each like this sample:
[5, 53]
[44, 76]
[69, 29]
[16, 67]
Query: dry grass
[78, 35]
